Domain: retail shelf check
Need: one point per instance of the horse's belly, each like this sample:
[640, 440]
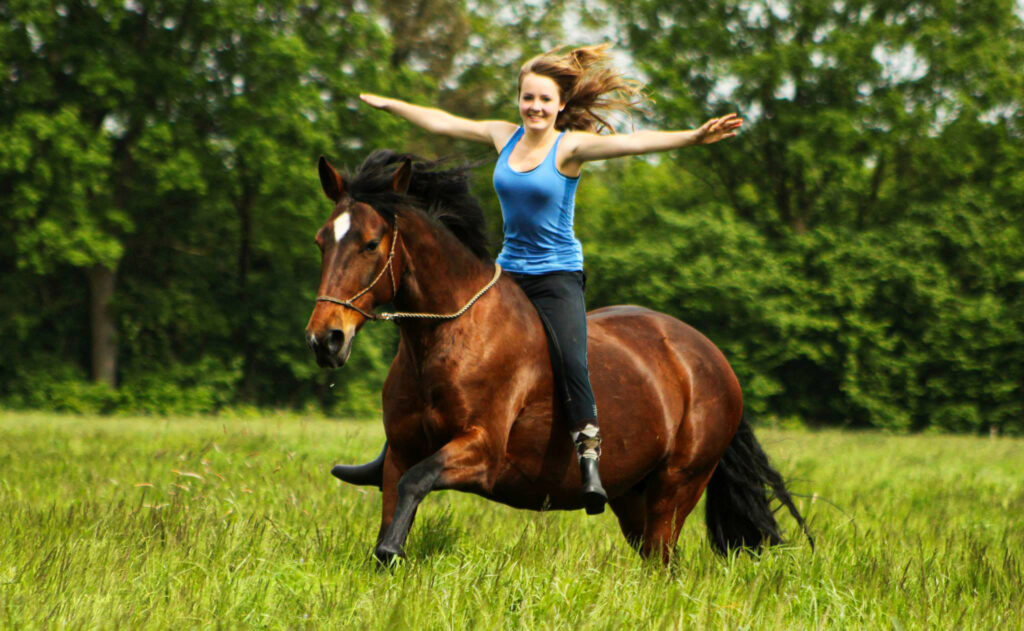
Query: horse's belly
[540, 469]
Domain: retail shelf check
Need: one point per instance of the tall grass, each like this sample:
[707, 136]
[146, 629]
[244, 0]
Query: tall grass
[155, 523]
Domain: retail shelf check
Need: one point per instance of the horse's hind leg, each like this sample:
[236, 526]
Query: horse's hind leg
[630, 510]
[670, 497]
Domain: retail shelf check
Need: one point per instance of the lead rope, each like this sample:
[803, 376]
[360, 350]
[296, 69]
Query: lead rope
[394, 287]
[448, 316]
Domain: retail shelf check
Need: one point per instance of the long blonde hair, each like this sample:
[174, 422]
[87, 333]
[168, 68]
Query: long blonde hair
[587, 86]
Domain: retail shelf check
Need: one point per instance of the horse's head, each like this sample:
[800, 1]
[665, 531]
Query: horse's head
[357, 245]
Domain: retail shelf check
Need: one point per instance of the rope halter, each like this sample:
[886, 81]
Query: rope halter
[350, 302]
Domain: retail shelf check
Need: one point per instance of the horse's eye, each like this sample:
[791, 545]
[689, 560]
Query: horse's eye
[372, 245]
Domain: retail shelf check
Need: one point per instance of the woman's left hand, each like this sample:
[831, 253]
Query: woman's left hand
[718, 129]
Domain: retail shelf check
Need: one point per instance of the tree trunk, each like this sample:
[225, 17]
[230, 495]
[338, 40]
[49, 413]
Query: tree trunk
[244, 207]
[104, 333]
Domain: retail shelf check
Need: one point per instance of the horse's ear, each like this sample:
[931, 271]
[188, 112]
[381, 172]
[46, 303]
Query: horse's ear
[403, 175]
[333, 185]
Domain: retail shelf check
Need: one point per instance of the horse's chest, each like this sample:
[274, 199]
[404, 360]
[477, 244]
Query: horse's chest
[427, 410]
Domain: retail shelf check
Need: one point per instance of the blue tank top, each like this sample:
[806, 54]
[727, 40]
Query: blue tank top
[537, 207]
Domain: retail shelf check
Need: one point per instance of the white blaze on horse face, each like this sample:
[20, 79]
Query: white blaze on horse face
[341, 225]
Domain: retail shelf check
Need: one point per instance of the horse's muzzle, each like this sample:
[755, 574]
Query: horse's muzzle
[331, 348]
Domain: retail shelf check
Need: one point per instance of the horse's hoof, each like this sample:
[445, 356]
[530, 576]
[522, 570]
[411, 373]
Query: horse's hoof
[369, 474]
[359, 475]
[388, 556]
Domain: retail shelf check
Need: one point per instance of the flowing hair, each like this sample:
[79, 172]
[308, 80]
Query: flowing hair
[587, 85]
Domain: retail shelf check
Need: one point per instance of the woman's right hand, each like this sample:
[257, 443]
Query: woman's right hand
[373, 100]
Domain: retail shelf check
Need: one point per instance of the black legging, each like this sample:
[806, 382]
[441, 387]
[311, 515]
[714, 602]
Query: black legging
[558, 297]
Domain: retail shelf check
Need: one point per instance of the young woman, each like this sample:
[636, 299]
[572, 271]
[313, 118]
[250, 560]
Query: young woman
[538, 169]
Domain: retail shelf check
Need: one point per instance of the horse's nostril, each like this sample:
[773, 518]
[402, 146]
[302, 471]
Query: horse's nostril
[334, 340]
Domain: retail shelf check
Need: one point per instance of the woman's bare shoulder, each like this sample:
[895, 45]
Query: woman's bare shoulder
[501, 132]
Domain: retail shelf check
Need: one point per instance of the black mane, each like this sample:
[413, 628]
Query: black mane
[442, 194]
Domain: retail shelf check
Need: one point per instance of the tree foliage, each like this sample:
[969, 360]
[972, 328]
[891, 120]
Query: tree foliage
[856, 251]
[872, 202]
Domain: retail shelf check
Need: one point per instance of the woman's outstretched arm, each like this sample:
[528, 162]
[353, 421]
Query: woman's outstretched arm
[585, 147]
[438, 121]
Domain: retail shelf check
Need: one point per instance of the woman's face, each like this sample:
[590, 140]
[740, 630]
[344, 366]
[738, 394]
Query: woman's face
[539, 102]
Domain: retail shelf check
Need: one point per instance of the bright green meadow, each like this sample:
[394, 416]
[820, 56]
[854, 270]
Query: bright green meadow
[223, 522]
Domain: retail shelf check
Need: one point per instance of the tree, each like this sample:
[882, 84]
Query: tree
[165, 151]
[877, 133]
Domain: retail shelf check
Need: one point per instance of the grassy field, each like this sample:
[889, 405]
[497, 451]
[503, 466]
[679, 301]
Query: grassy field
[184, 523]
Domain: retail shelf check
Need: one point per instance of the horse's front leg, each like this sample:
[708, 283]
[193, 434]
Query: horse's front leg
[463, 463]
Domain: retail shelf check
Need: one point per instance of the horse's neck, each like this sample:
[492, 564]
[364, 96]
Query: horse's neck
[499, 334]
[439, 274]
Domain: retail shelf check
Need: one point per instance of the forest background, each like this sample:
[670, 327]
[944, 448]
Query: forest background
[857, 251]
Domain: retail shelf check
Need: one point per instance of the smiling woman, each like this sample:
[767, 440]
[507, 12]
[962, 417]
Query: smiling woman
[563, 98]
[579, 86]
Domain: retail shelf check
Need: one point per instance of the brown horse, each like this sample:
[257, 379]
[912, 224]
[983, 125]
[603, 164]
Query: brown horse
[469, 402]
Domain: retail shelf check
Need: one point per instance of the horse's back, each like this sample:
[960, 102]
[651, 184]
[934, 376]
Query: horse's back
[656, 338]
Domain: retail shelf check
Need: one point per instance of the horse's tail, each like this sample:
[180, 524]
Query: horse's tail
[739, 496]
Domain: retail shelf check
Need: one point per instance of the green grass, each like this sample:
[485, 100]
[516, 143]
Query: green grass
[184, 523]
